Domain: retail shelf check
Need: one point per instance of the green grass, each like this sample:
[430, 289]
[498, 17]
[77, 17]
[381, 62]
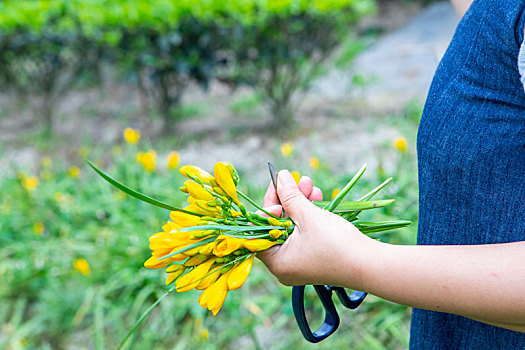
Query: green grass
[46, 304]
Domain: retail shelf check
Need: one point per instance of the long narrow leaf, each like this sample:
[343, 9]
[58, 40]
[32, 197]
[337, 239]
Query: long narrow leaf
[374, 227]
[357, 205]
[137, 194]
[335, 202]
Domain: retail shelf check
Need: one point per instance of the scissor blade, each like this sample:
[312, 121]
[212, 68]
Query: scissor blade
[273, 175]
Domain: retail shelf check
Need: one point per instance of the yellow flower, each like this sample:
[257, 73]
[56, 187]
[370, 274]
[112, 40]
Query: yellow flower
[335, 192]
[194, 277]
[275, 234]
[296, 176]
[224, 179]
[213, 297]
[174, 271]
[205, 334]
[314, 163]
[194, 171]
[211, 278]
[197, 191]
[131, 135]
[184, 219]
[258, 244]
[38, 227]
[30, 183]
[47, 162]
[240, 273]
[147, 159]
[400, 144]
[173, 160]
[74, 171]
[225, 245]
[287, 149]
[82, 266]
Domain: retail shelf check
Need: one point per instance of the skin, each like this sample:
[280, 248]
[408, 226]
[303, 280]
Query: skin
[461, 6]
[481, 282]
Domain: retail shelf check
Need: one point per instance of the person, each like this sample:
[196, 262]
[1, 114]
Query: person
[465, 278]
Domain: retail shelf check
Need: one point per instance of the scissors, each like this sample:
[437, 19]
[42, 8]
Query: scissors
[331, 321]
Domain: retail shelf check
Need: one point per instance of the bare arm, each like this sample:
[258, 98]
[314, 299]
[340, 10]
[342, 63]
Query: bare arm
[461, 6]
[483, 282]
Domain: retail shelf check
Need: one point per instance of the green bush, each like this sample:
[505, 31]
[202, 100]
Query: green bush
[166, 46]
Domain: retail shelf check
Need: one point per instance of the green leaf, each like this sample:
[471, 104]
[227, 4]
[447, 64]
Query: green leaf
[335, 202]
[356, 205]
[137, 194]
[373, 227]
[244, 228]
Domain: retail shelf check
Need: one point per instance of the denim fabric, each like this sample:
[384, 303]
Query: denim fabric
[471, 159]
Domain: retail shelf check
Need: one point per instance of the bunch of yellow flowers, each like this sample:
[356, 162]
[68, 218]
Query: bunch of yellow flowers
[211, 243]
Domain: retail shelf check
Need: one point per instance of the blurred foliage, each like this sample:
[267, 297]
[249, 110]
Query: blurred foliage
[72, 250]
[166, 46]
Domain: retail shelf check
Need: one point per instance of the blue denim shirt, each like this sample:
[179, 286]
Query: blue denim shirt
[471, 159]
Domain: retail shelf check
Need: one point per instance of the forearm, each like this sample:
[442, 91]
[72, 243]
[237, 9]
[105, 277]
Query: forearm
[484, 282]
[461, 6]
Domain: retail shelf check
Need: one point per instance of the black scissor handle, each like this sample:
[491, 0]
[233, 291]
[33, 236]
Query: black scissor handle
[351, 301]
[331, 321]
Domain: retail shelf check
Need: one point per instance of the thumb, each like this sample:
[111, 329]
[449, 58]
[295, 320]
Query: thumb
[294, 203]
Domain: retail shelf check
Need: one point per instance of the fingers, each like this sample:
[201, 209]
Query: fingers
[270, 198]
[292, 199]
[274, 210]
[306, 186]
[316, 195]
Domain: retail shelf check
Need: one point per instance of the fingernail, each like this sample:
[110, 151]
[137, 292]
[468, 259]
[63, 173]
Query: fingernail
[285, 178]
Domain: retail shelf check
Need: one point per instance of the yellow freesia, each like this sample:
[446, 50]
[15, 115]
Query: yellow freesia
[314, 163]
[147, 159]
[194, 277]
[30, 183]
[287, 149]
[194, 171]
[213, 297]
[38, 228]
[335, 192]
[184, 219]
[74, 171]
[224, 179]
[211, 278]
[131, 135]
[400, 144]
[275, 234]
[296, 176]
[240, 273]
[258, 244]
[173, 160]
[225, 245]
[82, 266]
[174, 271]
[197, 191]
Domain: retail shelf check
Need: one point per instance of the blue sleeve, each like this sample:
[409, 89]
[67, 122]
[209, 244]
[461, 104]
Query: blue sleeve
[521, 55]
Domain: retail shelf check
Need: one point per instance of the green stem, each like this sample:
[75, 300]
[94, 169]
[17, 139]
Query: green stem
[255, 205]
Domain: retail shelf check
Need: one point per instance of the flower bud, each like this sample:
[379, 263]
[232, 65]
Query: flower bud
[240, 273]
[190, 171]
[258, 244]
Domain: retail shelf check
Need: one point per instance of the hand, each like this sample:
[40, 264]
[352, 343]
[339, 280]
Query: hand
[323, 248]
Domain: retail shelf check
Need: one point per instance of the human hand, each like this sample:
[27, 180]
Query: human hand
[323, 248]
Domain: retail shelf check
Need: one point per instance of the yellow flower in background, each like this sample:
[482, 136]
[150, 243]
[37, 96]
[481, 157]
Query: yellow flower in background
[47, 162]
[82, 266]
[335, 192]
[173, 160]
[131, 135]
[205, 334]
[74, 171]
[30, 183]
[38, 228]
[314, 163]
[287, 149]
[400, 144]
[296, 176]
[147, 159]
